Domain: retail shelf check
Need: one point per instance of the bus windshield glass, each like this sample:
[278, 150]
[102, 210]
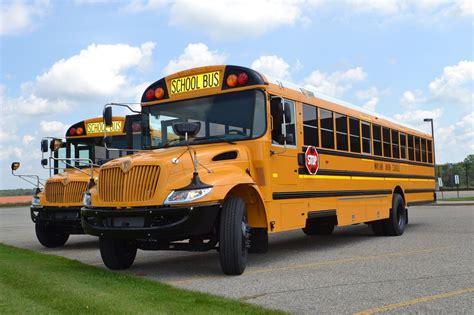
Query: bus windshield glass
[94, 149]
[223, 117]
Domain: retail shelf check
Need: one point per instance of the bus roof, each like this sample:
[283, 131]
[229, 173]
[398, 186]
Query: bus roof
[315, 93]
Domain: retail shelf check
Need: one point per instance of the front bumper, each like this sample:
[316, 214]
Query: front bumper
[68, 220]
[161, 223]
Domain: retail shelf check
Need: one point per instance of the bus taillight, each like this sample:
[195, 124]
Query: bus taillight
[159, 93]
[233, 80]
[150, 95]
[243, 78]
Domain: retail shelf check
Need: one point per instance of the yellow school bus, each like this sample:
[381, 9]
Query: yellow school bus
[56, 210]
[235, 155]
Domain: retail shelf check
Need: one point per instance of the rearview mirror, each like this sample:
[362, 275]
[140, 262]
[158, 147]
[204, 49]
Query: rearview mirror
[44, 145]
[15, 166]
[189, 128]
[107, 115]
[44, 162]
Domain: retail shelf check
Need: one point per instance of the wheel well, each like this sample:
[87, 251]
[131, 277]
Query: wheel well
[256, 214]
[399, 190]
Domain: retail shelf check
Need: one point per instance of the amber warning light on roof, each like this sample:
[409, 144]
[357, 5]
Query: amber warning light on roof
[99, 127]
[195, 82]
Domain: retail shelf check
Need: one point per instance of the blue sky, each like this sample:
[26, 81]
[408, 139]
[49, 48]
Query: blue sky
[60, 61]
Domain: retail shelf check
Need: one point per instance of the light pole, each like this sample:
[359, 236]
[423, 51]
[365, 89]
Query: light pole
[430, 120]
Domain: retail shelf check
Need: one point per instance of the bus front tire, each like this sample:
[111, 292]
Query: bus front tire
[315, 228]
[49, 237]
[117, 254]
[396, 223]
[233, 236]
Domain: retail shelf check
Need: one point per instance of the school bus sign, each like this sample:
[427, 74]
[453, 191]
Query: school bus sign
[99, 127]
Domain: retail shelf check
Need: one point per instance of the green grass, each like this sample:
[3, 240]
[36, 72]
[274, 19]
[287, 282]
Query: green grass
[458, 199]
[32, 282]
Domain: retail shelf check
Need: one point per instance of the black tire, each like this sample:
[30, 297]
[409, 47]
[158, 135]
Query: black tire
[49, 236]
[396, 223]
[258, 241]
[318, 228]
[117, 254]
[233, 236]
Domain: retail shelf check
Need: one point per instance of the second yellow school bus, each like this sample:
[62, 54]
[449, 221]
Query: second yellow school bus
[264, 156]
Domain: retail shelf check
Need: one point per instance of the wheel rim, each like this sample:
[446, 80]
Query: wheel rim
[244, 235]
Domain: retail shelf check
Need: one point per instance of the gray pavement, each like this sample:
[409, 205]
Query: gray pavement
[427, 270]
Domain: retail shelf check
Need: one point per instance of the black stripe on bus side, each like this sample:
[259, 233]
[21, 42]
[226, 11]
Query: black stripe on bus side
[420, 203]
[421, 190]
[321, 194]
[321, 214]
[371, 157]
[304, 171]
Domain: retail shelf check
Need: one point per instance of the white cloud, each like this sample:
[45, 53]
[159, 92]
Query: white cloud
[415, 117]
[455, 85]
[272, 65]
[194, 55]
[27, 139]
[230, 18]
[97, 71]
[53, 128]
[371, 97]
[145, 5]
[336, 83]
[17, 16]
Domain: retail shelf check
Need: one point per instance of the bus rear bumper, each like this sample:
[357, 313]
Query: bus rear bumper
[162, 223]
[66, 220]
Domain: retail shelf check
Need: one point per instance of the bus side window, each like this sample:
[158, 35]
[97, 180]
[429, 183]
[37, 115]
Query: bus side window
[387, 150]
[310, 125]
[341, 132]
[327, 128]
[430, 152]
[279, 124]
[355, 135]
[291, 125]
[417, 149]
[403, 145]
[423, 150]
[366, 147]
[395, 144]
[411, 148]
[377, 140]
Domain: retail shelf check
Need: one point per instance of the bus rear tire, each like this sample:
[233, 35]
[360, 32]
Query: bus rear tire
[396, 223]
[117, 254]
[49, 237]
[233, 236]
[318, 228]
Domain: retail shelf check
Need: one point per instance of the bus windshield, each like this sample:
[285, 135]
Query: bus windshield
[94, 149]
[223, 117]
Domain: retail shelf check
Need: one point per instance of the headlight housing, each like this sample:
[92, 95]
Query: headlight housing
[86, 199]
[35, 201]
[183, 196]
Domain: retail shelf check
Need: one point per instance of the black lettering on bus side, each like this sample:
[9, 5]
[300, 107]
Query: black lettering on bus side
[205, 81]
[215, 81]
[174, 86]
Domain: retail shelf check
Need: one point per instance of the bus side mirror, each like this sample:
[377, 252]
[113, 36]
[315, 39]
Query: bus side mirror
[189, 128]
[15, 166]
[44, 145]
[44, 162]
[107, 115]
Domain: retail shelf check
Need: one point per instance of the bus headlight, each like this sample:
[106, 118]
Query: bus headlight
[182, 196]
[86, 200]
[35, 201]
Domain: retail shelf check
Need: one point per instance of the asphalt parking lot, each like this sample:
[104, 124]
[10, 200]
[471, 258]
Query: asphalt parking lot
[427, 270]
